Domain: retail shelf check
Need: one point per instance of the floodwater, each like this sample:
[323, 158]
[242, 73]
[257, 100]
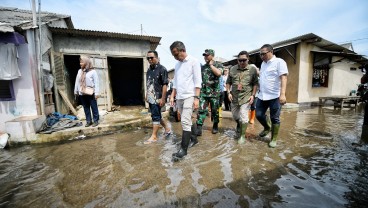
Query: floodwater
[314, 165]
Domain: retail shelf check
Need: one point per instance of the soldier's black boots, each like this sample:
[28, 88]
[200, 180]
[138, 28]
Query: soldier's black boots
[184, 147]
[215, 128]
[193, 136]
[199, 130]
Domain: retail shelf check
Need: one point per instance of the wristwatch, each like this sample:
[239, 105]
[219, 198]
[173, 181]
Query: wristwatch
[196, 97]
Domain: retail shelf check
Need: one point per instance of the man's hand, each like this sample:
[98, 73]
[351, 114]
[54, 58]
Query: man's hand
[97, 96]
[230, 96]
[282, 99]
[162, 102]
[196, 103]
[251, 100]
[172, 100]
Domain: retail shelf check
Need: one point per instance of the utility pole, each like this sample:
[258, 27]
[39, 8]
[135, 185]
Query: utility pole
[141, 29]
[40, 67]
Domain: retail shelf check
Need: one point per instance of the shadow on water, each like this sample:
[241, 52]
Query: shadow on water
[314, 165]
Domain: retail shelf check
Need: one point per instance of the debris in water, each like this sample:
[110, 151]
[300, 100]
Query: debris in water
[79, 137]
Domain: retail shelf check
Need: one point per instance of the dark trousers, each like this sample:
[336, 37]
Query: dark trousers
[155, 113]
[253, 106]
[275, 110]
[227, 101]
[89, 102]
[365, 121]
[222, 96]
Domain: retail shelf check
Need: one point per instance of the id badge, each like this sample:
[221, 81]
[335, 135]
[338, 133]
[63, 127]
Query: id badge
[240, 87]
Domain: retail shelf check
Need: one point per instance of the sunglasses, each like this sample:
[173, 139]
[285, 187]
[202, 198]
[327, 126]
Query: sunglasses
[242, 60]
[150, 58]
[262, 54]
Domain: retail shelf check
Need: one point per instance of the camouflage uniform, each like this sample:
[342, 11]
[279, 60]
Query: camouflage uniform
[210, 93]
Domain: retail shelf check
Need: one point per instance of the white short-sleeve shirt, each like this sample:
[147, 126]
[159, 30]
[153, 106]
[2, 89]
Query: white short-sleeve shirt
[269, 78]
[187, 77]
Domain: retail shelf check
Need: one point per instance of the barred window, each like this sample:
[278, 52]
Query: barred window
[320, 76]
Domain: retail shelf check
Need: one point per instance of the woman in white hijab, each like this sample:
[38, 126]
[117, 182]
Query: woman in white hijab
[87, 89]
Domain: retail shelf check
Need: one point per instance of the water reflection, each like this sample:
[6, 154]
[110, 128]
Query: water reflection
[314, 165]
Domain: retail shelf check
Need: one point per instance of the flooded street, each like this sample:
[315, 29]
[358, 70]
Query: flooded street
[313, 165]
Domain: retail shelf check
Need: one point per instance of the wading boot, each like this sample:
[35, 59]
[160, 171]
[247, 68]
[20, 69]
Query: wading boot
[184, 147]
[242, 134]
[193, 136]
[251, 115]
[275, 133]
[199, 130]
[266, 129]
[364, 136]
[215, 128]
[238, 126]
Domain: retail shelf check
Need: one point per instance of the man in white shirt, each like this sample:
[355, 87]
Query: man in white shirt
[272, 89]
[186, 88]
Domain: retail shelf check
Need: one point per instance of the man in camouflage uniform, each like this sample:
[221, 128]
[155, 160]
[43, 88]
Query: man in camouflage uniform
[210, 91]
[243, 81]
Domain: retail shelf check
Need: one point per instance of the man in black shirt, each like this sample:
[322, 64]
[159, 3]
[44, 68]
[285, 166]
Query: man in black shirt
[156, 83]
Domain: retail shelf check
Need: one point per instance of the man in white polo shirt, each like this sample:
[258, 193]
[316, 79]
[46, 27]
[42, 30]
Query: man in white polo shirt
[186, 88]
[272, 89]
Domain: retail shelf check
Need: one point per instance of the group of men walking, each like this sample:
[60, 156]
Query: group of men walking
[197, 87]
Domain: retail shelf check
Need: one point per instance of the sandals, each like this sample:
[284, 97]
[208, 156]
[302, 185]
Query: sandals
[150, 141]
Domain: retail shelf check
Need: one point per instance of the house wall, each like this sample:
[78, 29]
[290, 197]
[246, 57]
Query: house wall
[305, 73]
[58, 23]
[24, 103]
[340, 82]
[342, 79]
[100, 46]
[293, 68]
[26, 91]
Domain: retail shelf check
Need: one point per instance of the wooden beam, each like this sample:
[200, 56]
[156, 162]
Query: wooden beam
[68, 103]
[291, 55]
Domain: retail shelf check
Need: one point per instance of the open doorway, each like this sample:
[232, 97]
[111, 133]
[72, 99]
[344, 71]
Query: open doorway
[71, 64]
[126, 78]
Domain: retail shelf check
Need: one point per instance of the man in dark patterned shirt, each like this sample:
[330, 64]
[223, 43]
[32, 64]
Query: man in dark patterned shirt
[210, 91]
[156, 82]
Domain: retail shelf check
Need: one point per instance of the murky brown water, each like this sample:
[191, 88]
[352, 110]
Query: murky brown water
[314, 165]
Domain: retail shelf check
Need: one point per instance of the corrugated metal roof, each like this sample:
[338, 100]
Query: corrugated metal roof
[77, 32]
[351, 56]
[308, 38]
[11, 17]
